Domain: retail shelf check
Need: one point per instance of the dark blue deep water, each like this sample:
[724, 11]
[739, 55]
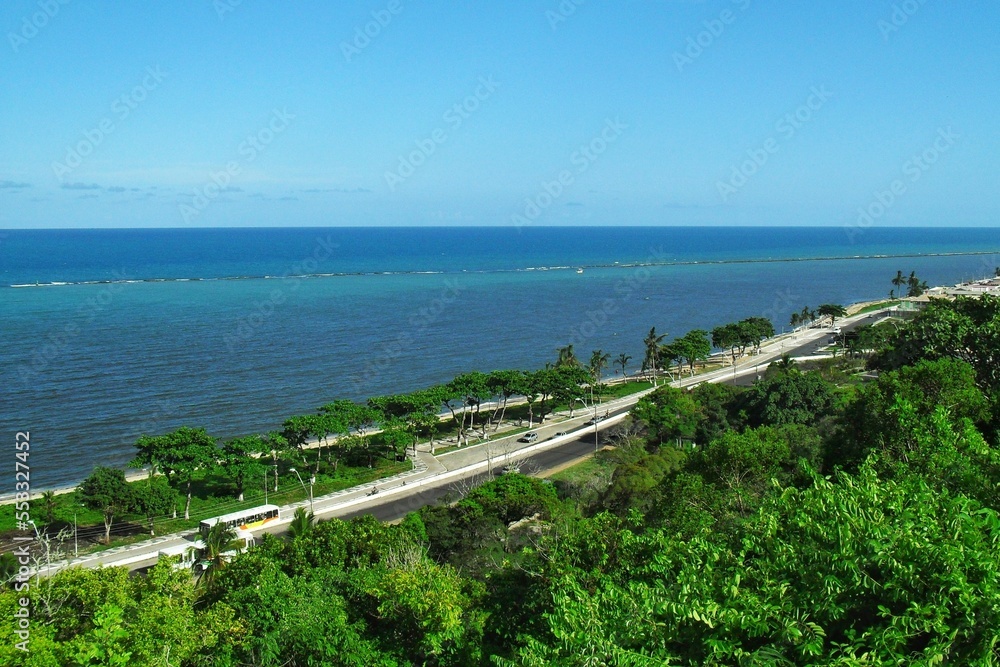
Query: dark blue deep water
[113, 333]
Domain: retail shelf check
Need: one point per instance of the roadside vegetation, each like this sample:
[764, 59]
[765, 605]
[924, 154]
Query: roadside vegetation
[798, 521]
[193, 475]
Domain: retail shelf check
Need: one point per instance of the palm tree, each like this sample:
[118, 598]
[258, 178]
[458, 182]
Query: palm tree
[786, 363]
[567, 357]
[219, 539]
[899, 281]
[833, 311]
[622, 361]
[795, 320]
[652, 342]
[915, 286]
[49, 505]
[598, 362]
[302, 522]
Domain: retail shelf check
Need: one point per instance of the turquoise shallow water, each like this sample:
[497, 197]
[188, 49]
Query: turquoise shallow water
[89, 367]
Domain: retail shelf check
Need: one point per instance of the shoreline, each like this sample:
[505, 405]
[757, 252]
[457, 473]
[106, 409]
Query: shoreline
[853, 308]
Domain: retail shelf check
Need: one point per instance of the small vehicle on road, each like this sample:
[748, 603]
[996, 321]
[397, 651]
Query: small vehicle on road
[595, 420]
[528, 437]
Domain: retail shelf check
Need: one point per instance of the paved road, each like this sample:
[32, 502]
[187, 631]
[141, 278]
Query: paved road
[434, 477]
[430, 494]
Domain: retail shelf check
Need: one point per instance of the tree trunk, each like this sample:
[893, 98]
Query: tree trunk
[187, 503]
[503, 413]
[107, 528]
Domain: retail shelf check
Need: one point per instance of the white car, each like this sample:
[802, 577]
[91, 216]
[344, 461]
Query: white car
[528, 437]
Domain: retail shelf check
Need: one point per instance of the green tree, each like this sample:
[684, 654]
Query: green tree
[503, 384]
[346, 418]
[190, 450]
[672, 354]
[633, 484]
[107, 492]
[528, 386]
[833, 311]
[292, 620]
[49, 505]
[861, 571]
[967, 329]
[598, 362]
[898, 282]
[567, 357]
[670, 414]
[753, 330]
[425, 611]
[622, 361]
[651, 360]
[727, 337]
[302, 523]
[219, 540]
[153, 498]
[240, 461]
[153, 452]
[466, 391]
[914, 286]
[717, 408]
[296, 431]
[787, 397]
[887, 414]
[695, 347]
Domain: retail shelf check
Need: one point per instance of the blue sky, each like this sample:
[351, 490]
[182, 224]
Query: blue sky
[654, 112]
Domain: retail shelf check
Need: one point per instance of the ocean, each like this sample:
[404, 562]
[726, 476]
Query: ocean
[109, 334]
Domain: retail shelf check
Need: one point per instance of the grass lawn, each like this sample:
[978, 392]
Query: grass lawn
[585, 481]
[877, 306]
[582, 472]
[625, 389]
[213, 495]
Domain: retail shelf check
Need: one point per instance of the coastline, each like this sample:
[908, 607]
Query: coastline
[134, 475]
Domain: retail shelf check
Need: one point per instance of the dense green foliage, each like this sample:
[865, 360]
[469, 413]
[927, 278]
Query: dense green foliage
[791, 523]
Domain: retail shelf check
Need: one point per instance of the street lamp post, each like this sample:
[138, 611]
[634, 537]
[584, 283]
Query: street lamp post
[312, 480]
[76, 544]
[595, 421]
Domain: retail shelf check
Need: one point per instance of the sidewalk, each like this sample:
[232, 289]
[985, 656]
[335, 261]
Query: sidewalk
[428, 469]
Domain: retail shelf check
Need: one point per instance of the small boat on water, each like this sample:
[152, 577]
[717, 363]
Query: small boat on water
[579, 270]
